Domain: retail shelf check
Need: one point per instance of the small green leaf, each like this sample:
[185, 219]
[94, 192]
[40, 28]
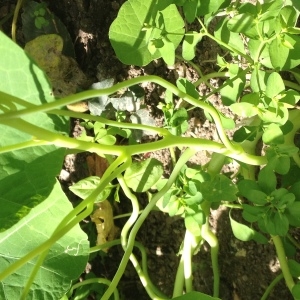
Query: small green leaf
[248, 133]
[252, 213]
[178, 122]
[233, 39]
[288, 16]
[257, 197]
[296, 291]
[167, 52]
[192, 224]
[141, 176]
[284, 58]
[245, 233]
[244, 109]
[187, 87]
[293, 213]
[232, 88]
[258, 81]
[294, 268]
[273, 135]
[194, 199]
[275, 85]
[191, 39]
[246, 185]
[220, 188]
[267, 180]
[86, 186]
[241, 23]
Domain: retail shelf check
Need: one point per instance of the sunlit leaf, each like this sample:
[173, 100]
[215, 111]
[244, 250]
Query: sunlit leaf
[141, 176]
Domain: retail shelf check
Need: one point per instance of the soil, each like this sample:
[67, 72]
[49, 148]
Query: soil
[246, 268]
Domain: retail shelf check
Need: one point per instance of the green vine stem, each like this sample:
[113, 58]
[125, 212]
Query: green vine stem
[212, 240]
[190, 243]
[96, 93]
[179, 279]
[180, 163]
[95, 280]
[271, 286]
[168, 141]
[283, 262]
[149, 286]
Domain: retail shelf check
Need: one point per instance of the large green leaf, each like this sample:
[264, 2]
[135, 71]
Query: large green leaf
[65, 261]
[140, 29]
[27, 175]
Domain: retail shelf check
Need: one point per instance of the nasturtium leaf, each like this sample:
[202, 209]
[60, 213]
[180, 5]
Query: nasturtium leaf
[141, 176]
[245, 233]
[191, 39]
[275, 85]
[219, 189]
[86, 186]
[138, 23]
[27, 175]
[65, 261]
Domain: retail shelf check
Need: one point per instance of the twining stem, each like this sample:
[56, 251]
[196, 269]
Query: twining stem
[190, 243]
[142, 271]
[95, 280]
[180, 163]
[179, 280]
[212, 240]
[271, 287]
[283, 262]
[168, 141]
[96, 93]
